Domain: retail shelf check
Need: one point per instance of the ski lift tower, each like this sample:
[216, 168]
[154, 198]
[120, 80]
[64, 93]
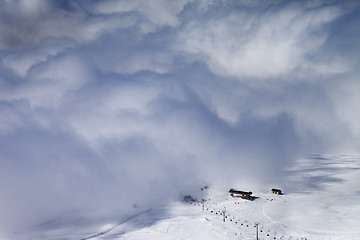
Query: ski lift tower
[257, 232]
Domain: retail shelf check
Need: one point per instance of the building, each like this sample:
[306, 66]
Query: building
[276, 191]
[235, 193]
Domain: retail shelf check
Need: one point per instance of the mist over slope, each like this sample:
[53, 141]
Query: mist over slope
[319, 200]
[107, 104]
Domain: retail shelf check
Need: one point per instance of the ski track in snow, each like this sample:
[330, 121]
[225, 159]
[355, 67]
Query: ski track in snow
[216, 219]
[102, 233]
[283, 226]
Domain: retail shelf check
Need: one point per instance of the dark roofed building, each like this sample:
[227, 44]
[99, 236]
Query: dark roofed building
[276, 191]
[242, 193]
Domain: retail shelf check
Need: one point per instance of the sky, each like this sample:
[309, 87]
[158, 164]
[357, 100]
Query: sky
[107, 105]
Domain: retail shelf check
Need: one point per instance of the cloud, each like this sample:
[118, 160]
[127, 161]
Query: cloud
[271, 43]
[82, 21]
[154, 14]
[107, 104]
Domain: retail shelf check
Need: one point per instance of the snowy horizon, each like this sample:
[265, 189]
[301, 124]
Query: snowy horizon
[108, 105]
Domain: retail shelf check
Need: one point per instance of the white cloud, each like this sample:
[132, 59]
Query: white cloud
[156, 13]
[49, 81]
[270, 43]
[109, 97]
[23, 61]
[39, 23]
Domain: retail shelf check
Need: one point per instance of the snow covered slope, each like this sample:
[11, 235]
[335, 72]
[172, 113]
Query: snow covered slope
[321, 201]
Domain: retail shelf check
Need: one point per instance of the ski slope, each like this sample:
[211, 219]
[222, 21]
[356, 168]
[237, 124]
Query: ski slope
[276, 220]
[326, 209]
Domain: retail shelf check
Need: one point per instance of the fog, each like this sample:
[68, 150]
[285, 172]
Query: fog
[108, 107]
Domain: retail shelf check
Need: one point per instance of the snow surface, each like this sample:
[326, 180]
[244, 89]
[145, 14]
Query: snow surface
[321, 201]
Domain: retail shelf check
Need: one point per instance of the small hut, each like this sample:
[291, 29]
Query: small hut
[276, 191]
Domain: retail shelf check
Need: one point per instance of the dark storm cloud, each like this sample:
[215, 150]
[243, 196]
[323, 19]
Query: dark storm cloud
[107, 104]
